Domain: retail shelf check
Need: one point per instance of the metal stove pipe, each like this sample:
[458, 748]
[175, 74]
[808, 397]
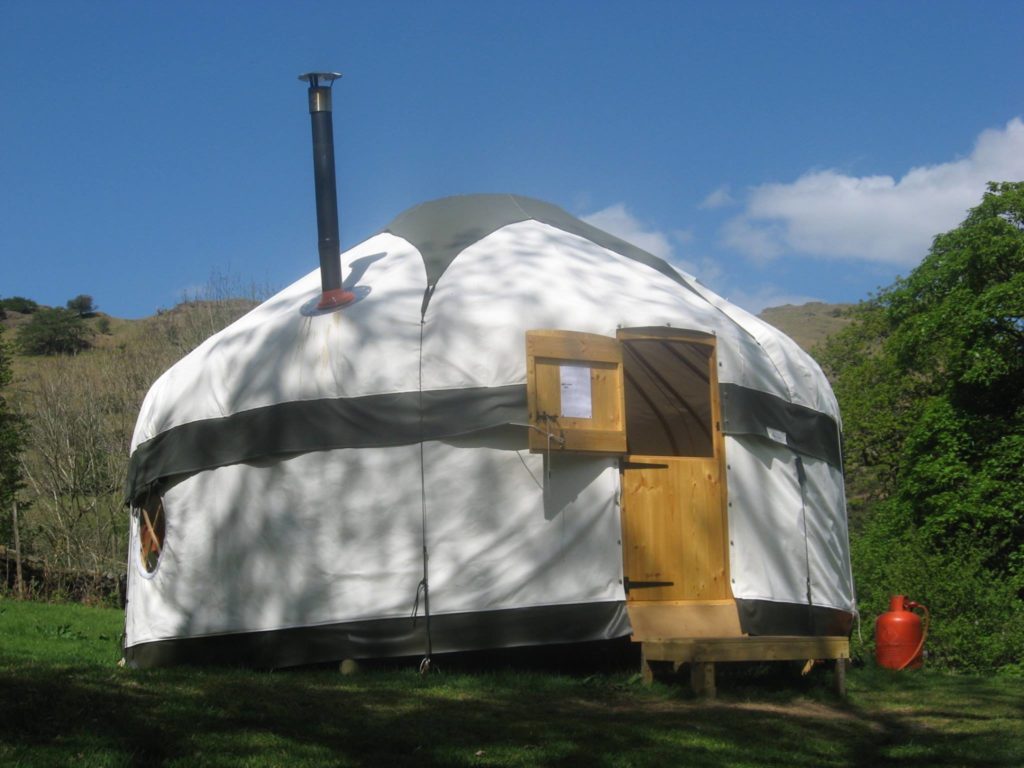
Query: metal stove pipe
[333, 295]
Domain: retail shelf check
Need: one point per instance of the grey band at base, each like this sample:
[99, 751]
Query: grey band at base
[767, 617]
[517, 627]
[381, 638]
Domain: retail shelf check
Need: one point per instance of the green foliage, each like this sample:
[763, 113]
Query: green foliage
[12, 443]
[930, 380]
[82, 304]
[978, 621]
[54, 332]
[19, 304]
[103, 325]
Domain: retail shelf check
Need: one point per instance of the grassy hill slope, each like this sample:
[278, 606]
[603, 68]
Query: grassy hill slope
[80, 414]
[82, 411]
[809, 324]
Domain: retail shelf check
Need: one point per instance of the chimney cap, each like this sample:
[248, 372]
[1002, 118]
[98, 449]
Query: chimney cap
[320, 79]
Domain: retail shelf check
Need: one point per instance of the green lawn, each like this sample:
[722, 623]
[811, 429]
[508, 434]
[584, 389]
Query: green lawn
[64, 701]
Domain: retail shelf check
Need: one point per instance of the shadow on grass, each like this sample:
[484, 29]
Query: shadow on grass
[515, 717]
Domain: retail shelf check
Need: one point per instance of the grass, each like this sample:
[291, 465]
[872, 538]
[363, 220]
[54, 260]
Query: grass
[66, 702]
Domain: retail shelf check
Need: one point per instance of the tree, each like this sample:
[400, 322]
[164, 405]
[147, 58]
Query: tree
[82, 304]
[54, 332]
[75, 462]
[12, 442]
[930, 380]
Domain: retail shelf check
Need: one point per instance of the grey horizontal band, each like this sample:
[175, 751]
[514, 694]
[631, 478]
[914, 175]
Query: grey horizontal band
[767, 617]
[373, 421]
[376, 421]
[382, 638]
[805, 430]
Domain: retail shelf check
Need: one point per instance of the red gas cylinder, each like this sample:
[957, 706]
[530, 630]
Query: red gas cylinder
[899, 635]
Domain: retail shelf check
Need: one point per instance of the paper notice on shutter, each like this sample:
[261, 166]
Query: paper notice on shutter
[576, 395]
[778, 436]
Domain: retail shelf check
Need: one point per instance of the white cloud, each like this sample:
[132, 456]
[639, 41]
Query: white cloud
[760, 242]
[617, 220]
[720, 198]
[877, 218]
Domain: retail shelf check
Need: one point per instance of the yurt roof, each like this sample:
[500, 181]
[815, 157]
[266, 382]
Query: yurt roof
[434, 347]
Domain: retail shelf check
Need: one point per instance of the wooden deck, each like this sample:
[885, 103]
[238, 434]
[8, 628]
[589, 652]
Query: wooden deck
[704, 652]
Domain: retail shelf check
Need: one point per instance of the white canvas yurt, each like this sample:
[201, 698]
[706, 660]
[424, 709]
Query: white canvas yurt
[523, 430]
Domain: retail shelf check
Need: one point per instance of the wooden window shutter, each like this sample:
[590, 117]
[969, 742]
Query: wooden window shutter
[575, 392]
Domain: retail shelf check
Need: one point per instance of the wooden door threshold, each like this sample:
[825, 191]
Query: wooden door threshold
[666, 620]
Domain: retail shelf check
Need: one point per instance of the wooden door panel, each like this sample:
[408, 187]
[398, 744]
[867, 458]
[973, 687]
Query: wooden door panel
[673, 532]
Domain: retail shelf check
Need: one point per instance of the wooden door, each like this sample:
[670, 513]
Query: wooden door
[673, 491]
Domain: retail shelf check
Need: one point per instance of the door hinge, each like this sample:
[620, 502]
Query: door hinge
[629, 584]
[643, 465]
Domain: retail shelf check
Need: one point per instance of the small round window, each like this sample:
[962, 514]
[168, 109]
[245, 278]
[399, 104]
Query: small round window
[152, 527]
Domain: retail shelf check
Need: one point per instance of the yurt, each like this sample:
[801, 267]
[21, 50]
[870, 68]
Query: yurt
[516, 429]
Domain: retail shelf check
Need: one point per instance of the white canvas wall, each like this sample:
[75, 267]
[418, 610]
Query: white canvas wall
[769, 555]
[337, 536]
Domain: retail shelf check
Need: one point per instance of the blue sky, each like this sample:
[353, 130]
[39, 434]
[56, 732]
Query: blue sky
[781, 152]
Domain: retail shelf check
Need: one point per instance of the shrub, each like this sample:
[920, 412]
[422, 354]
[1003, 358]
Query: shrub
[977, 618]
[19, 304]
[54, 332]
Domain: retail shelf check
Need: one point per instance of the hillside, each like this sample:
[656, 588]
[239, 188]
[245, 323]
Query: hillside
[149, 345]
[809, 324]
[154, 342]
[82, 411]
[160, 339]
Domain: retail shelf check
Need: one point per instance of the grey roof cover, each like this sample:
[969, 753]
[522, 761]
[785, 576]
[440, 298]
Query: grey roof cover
[441, 229]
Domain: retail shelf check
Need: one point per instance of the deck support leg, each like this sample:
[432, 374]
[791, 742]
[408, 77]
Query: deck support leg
[702, 678]
[839, 677]
[646, 672]
[701, 654]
